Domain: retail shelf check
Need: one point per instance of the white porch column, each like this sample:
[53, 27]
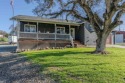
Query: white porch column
[37, 34]
[70, 37]
[37, 31]
[18, 33]
[18, 29]
[69, 28]
[55, 31]
[55, 34]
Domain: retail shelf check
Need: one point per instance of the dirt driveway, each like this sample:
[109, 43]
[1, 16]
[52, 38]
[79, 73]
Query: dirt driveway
[15, 68]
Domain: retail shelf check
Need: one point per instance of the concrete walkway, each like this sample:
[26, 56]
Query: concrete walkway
[115, 46]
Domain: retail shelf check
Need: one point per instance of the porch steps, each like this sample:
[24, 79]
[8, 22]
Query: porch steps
[78, 43]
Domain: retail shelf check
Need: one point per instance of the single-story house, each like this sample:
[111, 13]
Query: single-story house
[36, 32]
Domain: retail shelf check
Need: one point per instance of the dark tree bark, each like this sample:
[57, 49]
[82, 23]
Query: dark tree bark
[101, 43]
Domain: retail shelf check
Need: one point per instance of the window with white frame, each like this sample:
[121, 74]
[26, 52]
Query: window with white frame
[29, 28]
[61, 30]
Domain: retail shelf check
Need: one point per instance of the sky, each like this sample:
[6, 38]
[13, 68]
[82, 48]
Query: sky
[21, 8]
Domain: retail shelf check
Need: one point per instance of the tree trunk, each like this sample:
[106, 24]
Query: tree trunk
[101, 43]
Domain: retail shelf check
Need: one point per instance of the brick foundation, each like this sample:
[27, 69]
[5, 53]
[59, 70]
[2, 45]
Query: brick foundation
[36, 44]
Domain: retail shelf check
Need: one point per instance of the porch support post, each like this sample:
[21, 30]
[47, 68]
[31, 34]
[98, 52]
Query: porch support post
[70, 37]
[37, 30]
[18, 33]
[37, 34]
[18, 30]
[55, 34]
[69, 30]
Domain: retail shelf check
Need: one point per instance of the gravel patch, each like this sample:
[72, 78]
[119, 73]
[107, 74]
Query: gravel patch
[16, 69]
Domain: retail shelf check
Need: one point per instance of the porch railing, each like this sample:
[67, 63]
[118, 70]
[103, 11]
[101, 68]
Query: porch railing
[28, 35]
[44, 36]
[63, 36]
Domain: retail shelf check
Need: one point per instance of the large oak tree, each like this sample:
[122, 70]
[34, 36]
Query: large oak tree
[103, 15]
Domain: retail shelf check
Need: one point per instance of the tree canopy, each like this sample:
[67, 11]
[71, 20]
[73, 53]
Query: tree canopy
[103, 15]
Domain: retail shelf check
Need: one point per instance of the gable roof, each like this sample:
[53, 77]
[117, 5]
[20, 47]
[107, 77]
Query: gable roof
[120, 32]
[89, 27]
[46, 20]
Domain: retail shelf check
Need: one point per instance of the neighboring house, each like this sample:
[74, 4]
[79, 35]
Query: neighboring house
[36, 32]
[119, 37]
[1, 36]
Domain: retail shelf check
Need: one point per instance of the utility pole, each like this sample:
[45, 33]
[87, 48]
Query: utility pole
[12, 5]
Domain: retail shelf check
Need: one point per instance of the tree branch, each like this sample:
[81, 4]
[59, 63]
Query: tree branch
[93, 18]
[73, 12]
[117, 21]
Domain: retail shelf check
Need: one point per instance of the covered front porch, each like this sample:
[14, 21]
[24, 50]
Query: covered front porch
[37, 32]
[42, 31]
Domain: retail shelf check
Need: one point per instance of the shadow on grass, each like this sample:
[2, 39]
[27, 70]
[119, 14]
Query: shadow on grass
[71, 64]
[58, 62]
[88, 52]
[62, 64]
[14, 68]
[46, 54]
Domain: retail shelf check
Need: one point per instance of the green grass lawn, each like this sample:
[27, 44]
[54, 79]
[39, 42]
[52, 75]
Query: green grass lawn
[76, 65]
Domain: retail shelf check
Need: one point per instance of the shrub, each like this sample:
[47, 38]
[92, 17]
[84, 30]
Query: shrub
[3, 39]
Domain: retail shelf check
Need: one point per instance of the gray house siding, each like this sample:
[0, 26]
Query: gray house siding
[90, 38]
[81, 33]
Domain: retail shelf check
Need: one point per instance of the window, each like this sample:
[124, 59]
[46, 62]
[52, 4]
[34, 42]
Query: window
[26, 28]
[61, 30]
[29, 28]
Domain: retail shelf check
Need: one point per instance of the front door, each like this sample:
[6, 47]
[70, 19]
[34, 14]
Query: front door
[72, 32]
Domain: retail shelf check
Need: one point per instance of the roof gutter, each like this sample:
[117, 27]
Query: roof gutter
[42, 21]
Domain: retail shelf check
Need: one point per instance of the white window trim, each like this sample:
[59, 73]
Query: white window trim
[30, 26]
[60, 27]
